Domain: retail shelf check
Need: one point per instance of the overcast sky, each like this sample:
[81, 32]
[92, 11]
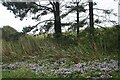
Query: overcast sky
[7, 18]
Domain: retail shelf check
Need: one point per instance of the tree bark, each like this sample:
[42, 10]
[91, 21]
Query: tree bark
[91, 18]
[57, 22]
[77, 20]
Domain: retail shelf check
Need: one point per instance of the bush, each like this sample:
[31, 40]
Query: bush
[9, 33]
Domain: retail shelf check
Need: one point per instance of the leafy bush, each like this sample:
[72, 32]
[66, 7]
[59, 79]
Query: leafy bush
[10, 33]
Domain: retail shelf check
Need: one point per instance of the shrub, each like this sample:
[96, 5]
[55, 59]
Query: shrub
[9, 33]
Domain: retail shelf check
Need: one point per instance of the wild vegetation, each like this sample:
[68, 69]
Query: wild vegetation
[65, 52]
[89, 53]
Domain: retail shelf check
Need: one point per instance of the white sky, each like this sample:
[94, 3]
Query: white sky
[7, 18]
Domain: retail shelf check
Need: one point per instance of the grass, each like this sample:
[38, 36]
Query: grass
[115, 74]
[49, 49]
[22, 72]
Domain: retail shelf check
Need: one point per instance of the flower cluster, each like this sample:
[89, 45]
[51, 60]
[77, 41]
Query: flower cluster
[58, 67]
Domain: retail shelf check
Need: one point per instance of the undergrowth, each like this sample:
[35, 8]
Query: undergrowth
[105, 43]
[33, 49]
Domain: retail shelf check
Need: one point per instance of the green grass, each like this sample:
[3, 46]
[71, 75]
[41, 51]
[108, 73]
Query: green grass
[115, 74]
[105, 43]
[25, 72]
[74, 49]
[22, 72]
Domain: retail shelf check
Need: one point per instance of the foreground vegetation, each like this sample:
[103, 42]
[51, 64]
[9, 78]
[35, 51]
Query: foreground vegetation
[64, 52]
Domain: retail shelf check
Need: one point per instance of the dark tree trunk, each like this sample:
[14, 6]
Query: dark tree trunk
[91, 28]
[77, 20]
[57, 22]
[91, 18]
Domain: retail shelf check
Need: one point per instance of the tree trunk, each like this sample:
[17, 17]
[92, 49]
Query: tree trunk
[91, 18]
[57, 22]
[91, 24]
[77, 20]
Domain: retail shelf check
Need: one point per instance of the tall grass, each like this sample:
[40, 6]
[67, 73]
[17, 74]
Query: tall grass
[68, 46]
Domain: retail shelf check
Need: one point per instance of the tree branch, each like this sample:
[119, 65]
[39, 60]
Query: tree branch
[42, 22]
[45, 7]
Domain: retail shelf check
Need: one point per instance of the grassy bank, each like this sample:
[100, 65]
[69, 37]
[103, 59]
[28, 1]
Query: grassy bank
[105, 43]
[83, 49]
